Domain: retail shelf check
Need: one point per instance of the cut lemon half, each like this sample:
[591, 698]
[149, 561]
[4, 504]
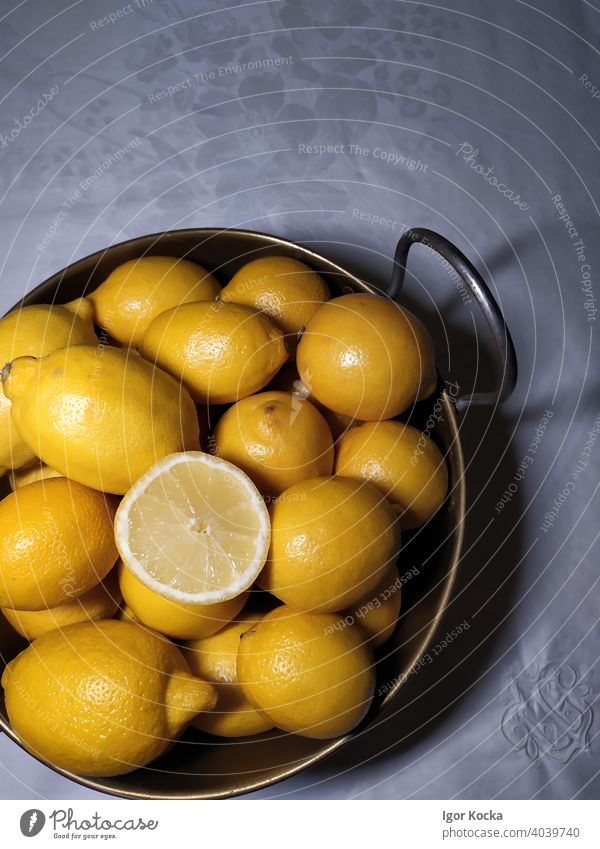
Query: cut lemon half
[194, 529]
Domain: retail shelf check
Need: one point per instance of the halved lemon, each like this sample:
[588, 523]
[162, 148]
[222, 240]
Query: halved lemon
[194, 528]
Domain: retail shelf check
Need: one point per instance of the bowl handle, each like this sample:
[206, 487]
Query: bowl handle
[482, 294]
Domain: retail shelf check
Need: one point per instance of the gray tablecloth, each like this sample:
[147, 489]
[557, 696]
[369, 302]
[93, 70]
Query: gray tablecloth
[340, 123]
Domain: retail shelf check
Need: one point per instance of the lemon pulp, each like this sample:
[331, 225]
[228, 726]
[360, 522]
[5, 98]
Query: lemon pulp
[194, 529]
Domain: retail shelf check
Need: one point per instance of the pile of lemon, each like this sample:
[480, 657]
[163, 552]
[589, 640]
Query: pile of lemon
[137, 527]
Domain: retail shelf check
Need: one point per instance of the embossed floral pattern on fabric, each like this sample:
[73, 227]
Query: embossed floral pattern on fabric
[549, 714]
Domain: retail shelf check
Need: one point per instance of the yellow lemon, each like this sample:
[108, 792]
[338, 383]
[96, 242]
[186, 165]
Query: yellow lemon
[38, 472]
[283, 288]
[56, 544]
[365, 357]
[377, 613]
[126, 614]
[215, 659]
[276, 438]
[35, 331]
[101, 416]
[194, 529]
[140, 289]
[403, 463]
[309, 673]
[175, 619]
[331, 540]
[101, 602]
[222, 352]
[101, 698]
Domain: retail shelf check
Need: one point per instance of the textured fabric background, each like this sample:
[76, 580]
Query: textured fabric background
[176, 113]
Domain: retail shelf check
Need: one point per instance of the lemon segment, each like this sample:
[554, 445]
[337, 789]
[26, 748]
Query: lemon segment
[194, 529]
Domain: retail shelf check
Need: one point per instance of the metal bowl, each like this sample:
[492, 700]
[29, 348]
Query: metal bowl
[201, 767]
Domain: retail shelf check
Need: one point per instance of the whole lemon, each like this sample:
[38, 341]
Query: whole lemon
[140, 289]
[366, 357]
[101, 416]
[331, 540]
[403, 463]
[101, 602]
[377, 613]
[175, 619]
[222, 352]
[280, 286]
[35, 331]
[276, 438]
[215, 659]
[309, 673]
[57, 543]
[38, 472]
[126, 614]
[101, 698]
